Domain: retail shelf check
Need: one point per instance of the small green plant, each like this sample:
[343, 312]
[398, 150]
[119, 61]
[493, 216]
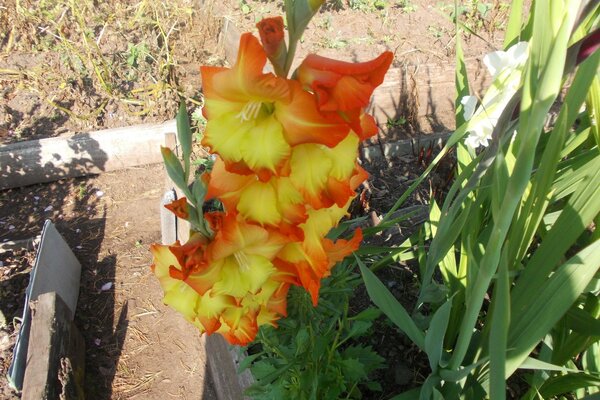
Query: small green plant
[334, 43]
[198, 118]
[406, 6]
[135, 53]
[81, 191]
[477, 15]
[245, 7]
[314, 353]
[396, 123]
[368, 5]
[435, 31]
[380, 4]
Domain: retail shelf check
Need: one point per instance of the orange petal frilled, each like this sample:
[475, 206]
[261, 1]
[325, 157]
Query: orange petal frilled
[343, 86]
[179, 207]
[304, 123]
[327, 176]
[312, 259]
[276, 203]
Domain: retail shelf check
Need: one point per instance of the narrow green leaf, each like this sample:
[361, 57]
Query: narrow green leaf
[408, 395]
[593, 107]
[591, 358]
[499, 332]
[571, 172]
[369, 314]
[386, 302]
[538, 198]
[535, 364]
[579, 212]
[175, 171]
[461, 82]
[428, 388]
[513, 27]
[184, 135]
[550, 303]
[461, 373]
[434, 338]
[580, 321]
[567, 383]
[199, 190]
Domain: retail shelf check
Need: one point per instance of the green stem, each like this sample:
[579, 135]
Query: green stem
[290, 54]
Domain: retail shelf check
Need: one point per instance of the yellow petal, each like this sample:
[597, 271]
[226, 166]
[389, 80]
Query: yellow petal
[258, 202]
[182, 299]
[242, 274]
[344, 156]
[226, 136]
[178, 295]
[265, 147]
[310, 168]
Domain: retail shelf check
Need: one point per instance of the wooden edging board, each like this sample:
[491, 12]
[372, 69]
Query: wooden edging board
[51, 159]
[56, 270]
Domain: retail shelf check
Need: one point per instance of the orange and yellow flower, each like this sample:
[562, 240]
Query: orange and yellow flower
[254, 118]
[228, 285]
[286, 173]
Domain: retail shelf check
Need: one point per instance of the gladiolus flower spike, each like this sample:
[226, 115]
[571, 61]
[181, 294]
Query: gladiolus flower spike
[285, 174]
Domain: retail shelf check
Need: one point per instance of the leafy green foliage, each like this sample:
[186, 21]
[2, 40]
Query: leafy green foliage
[315, 353]
[515, 244]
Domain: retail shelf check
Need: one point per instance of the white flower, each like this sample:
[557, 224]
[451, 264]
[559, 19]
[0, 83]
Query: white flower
[469, 103]
[481, 133]
[506, 68]
[512, 58]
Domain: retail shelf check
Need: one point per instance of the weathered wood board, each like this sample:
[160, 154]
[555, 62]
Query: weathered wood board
[51, 159]
[56, 270]
[56, 355]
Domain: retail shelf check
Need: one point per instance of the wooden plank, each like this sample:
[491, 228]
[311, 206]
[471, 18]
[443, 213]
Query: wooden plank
[56, 355]
[404, 147]
[56, 270]
[51, 159]
[422, 95]
[222, 369]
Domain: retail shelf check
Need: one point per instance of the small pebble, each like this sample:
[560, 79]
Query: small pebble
[77, 230]
[106, 286]
[11, 227]
[78, 247]
[99, 193]
[97, 342]
[49, 208]
[36, 198]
